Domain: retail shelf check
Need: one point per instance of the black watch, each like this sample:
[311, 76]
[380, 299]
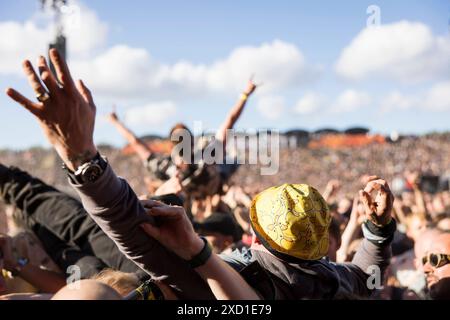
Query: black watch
[89, 171]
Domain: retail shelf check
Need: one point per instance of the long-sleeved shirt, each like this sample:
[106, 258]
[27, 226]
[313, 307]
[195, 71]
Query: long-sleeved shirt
[114, 206]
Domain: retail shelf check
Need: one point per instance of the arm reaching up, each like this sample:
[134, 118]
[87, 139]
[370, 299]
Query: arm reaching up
[235, 112]
[66, 113]
[137, 144]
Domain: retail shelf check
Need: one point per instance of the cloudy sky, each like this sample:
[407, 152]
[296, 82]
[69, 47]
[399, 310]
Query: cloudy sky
[320, 63]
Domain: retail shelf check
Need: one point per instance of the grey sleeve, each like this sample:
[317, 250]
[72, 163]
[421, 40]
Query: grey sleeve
[365, 272]
[370, 256]
[114, 206]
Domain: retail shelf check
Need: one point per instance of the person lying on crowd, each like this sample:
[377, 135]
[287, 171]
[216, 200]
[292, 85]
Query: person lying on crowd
[197, 179]
[174, 252]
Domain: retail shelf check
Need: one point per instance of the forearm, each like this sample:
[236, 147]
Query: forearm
[232, 117]
[138, 145]
[46, 281]
[116, 209]
[420, 202]
[375, 250]
[346, 239]
[224, 281]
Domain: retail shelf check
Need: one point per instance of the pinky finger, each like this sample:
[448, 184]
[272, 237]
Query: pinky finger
[33, 107]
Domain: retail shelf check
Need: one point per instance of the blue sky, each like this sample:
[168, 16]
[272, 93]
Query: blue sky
[401, 88]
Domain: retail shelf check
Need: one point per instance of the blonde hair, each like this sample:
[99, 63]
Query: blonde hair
[122, 282]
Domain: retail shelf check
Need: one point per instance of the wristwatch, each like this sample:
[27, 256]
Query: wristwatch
[89, 171]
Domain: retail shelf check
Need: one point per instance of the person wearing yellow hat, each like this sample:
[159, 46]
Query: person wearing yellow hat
[287, 258]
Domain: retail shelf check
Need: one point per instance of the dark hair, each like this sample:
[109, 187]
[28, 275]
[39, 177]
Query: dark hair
[179, 126]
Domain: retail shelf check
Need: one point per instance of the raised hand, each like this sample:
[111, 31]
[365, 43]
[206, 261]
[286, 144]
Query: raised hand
[65, 109]
[251, 87]
[112, 117]
[378, 209]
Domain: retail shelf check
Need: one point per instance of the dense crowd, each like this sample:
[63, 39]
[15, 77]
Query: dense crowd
[367, 222]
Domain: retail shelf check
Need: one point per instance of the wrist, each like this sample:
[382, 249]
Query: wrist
[194, 248]
[74, 160]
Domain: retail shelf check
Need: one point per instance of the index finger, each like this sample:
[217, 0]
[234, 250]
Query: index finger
[62, 70]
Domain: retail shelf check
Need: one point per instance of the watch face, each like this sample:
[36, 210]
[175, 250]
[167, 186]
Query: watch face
[92, 173]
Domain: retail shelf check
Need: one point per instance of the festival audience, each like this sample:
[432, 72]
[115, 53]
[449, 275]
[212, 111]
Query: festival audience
[209, 231]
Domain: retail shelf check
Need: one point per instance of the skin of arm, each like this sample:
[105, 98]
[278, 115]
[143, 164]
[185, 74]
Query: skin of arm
[137, 144]
[45, 280]
[349, 233]
[235, 113]
[177, 234]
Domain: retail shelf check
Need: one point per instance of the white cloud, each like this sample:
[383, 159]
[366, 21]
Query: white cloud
[131, 75]
[154, 114]
[28, 40]
[350, 100]
[271, 107]
[397, 100]
[309, 103]
[20, 41]
[438, 97]
[85, 31]
[404, 51]
[122, 70]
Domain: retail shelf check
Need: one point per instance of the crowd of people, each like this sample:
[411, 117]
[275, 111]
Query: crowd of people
[368, 222]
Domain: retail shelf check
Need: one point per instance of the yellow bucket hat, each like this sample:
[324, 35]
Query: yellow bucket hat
[292, 221]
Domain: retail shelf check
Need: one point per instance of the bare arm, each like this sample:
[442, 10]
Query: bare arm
[235, 112]
[224, 281]
[46, 281]
[137, 144]
[349, 233]
[177, 234]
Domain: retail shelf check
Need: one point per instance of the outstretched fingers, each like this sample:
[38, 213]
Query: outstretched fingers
[33, 78]
[85, 93]
[62, 70]
[34, 108]
[47, 77]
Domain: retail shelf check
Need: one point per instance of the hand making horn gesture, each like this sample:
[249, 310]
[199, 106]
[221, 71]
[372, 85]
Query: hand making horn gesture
[378, 200]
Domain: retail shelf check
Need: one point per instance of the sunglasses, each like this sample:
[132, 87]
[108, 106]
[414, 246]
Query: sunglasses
[436, 260]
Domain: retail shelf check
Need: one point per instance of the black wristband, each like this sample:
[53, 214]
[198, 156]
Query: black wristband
[201, 258]
[384, 231]
[382, 236]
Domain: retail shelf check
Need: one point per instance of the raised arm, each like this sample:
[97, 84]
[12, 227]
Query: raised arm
[137, 144]
[66, 113]
[378, 229]
[235, 112]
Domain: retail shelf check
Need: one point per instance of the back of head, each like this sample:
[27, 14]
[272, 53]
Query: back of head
[122, 282]
[87, 290]
[292, 221]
